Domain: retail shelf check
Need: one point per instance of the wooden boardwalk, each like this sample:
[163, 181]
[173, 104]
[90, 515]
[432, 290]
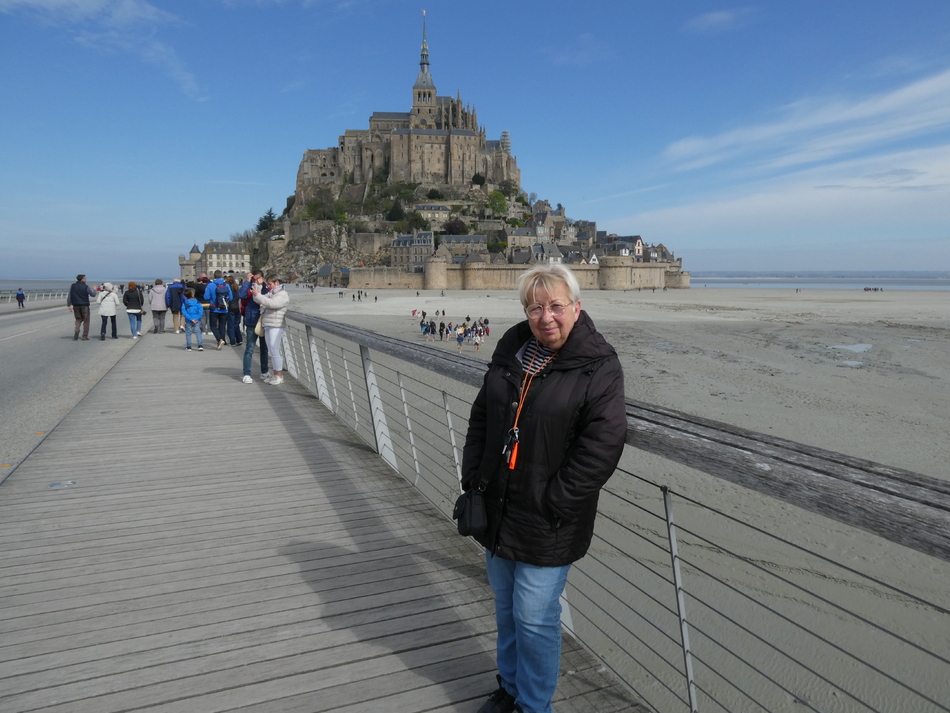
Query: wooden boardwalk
[234, 547]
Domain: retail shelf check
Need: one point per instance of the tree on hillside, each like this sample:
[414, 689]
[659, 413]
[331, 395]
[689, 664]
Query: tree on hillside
[509, 188]
[478, 179]
[266, 221]
[497, 203]
[396, 212]
[435, 194]
[415, 221]
[456, 226]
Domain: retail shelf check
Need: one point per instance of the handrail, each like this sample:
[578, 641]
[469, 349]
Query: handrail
[752, 597]
[34, 295]
[899, 505]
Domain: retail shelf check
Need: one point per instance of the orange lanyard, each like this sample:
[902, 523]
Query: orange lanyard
[511, 442]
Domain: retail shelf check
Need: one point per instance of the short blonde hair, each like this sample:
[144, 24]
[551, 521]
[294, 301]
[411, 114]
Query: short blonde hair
[548, 277]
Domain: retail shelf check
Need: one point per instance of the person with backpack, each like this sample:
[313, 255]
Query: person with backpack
[219, 296]
[234, 315]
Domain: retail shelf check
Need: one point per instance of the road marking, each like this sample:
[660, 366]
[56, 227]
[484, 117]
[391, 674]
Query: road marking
[22, 334]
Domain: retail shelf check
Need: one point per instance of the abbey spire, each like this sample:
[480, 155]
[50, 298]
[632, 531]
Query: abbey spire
[423, 91]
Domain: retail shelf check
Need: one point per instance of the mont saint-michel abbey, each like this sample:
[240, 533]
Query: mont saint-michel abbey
[437, 143]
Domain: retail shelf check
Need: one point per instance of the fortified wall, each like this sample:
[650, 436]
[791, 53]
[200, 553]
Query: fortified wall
[613, 273]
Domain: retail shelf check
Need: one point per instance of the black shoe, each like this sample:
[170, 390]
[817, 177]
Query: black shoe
[76, 337]
[500, 701]
[102, 337]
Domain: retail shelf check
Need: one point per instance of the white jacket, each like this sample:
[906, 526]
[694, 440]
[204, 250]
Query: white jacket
[108, 301]
[274, 305]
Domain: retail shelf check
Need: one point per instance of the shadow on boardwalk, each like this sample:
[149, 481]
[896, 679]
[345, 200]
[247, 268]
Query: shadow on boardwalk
[234, 547]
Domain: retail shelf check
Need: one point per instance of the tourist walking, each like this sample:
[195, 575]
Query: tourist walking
[134, 302]
[234, 314]
[20, 298]
[199, 289]
[191, 311]
[275, 304]
[218, 296]
[77, 302]
[252, 313]
[109, 302]
[158, 305]
[173, 300]
[541, 448]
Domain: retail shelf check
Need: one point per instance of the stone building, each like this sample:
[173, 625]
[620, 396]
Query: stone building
[229, 257]
[411, 251]
[438, 142]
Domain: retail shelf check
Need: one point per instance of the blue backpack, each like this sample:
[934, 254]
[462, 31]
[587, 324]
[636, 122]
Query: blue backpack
[221, 297]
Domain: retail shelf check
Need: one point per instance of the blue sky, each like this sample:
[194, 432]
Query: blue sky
[760, 136]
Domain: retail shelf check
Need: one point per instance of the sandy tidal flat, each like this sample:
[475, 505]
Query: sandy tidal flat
[862, 373]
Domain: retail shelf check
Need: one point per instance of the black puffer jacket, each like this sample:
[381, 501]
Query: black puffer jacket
[572, 430]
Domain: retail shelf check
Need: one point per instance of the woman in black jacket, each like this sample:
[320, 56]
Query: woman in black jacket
[545, 433]
[134, 302]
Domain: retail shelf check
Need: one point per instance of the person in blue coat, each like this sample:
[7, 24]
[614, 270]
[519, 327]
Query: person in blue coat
[192, 311]
[219, 296]
[252, 312]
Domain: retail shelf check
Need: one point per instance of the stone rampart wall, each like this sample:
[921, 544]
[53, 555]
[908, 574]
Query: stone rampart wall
[611, 274]
[383, 278]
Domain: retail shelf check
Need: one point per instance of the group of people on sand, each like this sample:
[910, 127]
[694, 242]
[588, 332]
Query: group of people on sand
[472, 332]
[209, 306]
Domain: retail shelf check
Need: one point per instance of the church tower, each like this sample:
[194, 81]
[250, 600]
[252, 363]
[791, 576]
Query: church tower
[423, 115]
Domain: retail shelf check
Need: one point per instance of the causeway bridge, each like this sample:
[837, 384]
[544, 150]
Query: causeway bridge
[184, 542]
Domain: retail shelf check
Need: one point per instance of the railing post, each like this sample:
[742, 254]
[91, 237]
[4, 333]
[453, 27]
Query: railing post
[455, 450]
[412, 438]
[680, 599]
[336, 391]
[377, 409]
[321, 383]
[288, 346]
[349, 385]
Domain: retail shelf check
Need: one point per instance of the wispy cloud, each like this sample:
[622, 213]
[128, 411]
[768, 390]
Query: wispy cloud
[880, 194]
[112, 12]
[581, 52]
[115, 25]
[715, 22]
[815, 130]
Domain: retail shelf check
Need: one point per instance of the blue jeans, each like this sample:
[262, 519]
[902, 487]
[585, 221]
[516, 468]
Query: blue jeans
[219, 325]
[192, 328]
[528, 615]
[234, 327]
[135, 322]
[250, 339]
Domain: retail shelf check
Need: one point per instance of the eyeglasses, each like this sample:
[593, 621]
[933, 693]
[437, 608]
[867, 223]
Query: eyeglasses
[536, 311]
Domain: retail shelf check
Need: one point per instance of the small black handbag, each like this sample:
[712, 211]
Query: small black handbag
[470, 511]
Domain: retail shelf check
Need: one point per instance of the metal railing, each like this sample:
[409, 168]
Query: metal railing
[9, 296]
[790, 579]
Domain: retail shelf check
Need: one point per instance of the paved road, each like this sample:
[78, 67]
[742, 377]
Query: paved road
[44, 373]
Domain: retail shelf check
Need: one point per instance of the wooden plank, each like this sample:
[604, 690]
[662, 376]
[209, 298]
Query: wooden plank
[176, 576]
